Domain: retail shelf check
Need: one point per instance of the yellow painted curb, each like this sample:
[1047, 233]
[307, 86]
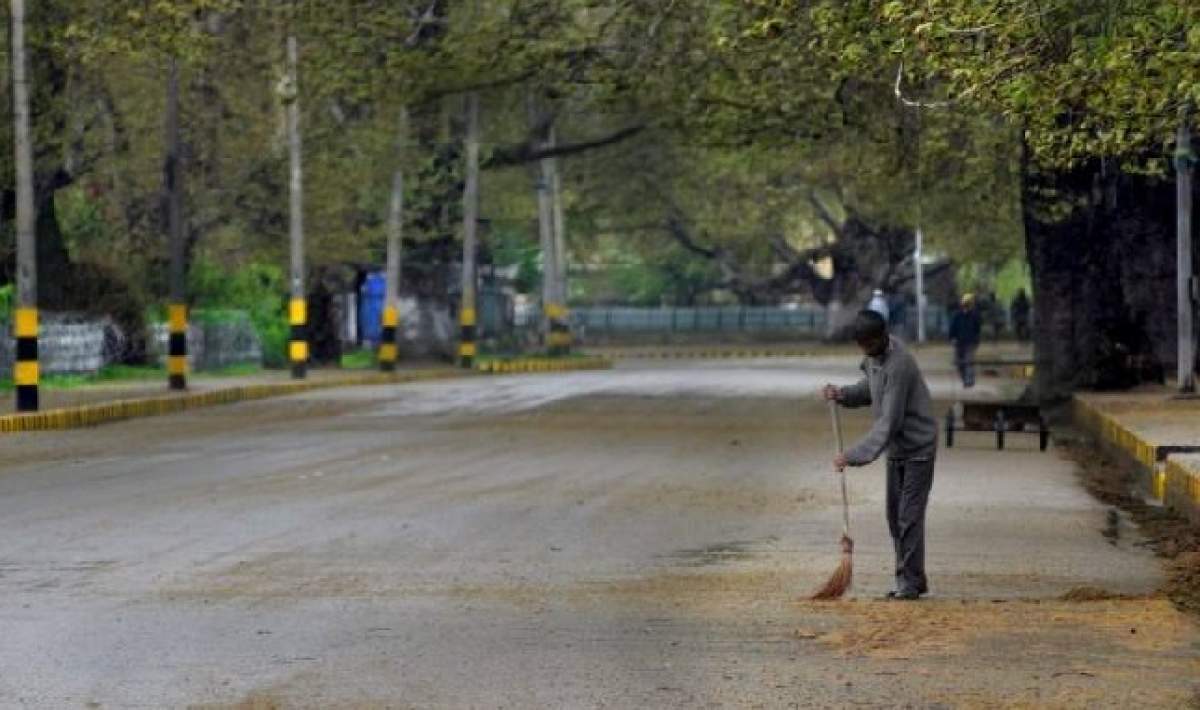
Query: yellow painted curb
[1182, 487]
[89, 415]
[1111, 431]
[530, 365]
[736, 354]
[1174, 481]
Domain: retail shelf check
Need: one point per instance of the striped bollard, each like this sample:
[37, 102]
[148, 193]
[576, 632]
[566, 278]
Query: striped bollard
[26, 373]
[388, 353]
[559, 338]
[298, 343]
[177, 361]
[468, 350]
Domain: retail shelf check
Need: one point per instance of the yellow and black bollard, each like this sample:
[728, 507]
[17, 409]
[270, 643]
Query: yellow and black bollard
[559, 338]
[387, 339]
[26, 373]
[177, 354]
[468, 350]
[298, 344]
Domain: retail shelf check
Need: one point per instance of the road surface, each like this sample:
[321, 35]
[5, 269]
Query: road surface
[643, 537]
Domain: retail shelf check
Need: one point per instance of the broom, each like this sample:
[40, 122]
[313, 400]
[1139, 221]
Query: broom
[840, 581]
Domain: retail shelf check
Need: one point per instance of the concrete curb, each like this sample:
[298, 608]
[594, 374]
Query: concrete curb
[1168, 476]
[90, 415]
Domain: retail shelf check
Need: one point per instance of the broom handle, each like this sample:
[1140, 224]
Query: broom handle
[837, 435]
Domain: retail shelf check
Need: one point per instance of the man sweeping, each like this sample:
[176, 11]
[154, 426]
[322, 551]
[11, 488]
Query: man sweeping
[906, 429]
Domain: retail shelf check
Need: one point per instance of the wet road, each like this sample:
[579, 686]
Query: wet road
[635, 538]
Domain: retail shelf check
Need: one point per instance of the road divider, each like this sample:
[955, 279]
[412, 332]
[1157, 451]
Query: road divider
[90, 415]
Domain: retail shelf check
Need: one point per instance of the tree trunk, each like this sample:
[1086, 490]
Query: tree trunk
[1185, 274]
[173, 187]
[389, 334]
[26, 316]
[298, 308]
[468, 348]
[1101, 250]
[561, 339]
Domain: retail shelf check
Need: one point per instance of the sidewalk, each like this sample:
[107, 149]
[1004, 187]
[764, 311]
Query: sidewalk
[1158, 431]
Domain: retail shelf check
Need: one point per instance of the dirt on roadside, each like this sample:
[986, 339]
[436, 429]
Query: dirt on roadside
[1173, 538]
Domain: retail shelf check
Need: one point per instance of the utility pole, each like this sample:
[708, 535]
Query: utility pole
[177, 360]
[468, 349]
[298, 305]
[388, 343]
[26, 373]
[1185, 279]
[919, 271]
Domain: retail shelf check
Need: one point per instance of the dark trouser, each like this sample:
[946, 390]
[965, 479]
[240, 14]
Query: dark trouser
[908, 484]
[964, 360]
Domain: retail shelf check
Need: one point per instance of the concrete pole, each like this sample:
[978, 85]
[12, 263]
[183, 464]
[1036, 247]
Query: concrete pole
[468, 349]
[298, 307]
[177, 355]
[1185, 279]
[919, 271]
[26, 373]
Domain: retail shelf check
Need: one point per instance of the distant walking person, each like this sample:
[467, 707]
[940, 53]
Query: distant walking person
[879, 304]
[904, 427]
[993, 314]
[965, 329]
[1020, 315]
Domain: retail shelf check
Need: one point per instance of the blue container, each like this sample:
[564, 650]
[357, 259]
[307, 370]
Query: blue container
[370, 307]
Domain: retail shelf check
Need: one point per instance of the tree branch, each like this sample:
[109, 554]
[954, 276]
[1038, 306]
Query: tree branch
[909, 102]
[824, 215]
[530, 151]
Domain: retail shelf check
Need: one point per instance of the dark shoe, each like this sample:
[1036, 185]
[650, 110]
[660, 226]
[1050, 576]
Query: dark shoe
[892, 594]
[903, 596]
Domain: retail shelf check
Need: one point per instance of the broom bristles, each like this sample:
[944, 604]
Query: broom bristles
[839, 582]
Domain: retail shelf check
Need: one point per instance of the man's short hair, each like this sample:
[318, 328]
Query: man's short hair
[869, 325]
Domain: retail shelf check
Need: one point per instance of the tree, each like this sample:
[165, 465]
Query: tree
[1099, 89]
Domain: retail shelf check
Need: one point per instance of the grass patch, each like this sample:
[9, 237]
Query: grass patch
[116, 374]
[240, 369]
[359, 360]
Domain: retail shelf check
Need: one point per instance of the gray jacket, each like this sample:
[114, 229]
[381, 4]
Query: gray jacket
[900, 401]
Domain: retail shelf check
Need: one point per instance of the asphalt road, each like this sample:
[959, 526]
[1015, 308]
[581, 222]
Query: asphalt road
[637, 538]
